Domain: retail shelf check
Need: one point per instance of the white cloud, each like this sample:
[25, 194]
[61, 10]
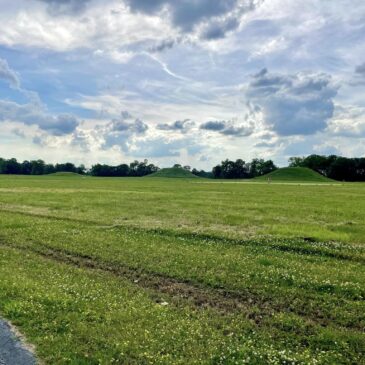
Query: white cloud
[348, 121]
[99, 27]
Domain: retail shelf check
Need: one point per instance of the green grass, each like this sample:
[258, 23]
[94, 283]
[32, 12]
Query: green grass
[66, 174]
[173, 172]
[295, 174]
[175, 271]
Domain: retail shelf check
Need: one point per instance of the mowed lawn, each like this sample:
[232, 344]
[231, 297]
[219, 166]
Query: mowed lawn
[184, 271]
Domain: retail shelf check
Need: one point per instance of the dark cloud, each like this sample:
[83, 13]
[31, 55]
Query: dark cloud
[299, 104]
[219, 29]
[163, 45]
[179, 126]
[211, 19]
[9, 75]
[242, 131]
[213, 126]
[187, 13]
[126, 115]
[360, 69]
[34, 114]
[120, 125]
[266, 136]
[228, 128]
[65, 7]
[39, 140]
[359, 79]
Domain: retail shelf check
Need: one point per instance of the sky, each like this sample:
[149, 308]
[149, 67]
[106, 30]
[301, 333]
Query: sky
[190, 81]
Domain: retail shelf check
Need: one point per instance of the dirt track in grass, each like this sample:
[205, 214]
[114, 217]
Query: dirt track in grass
[171, 291]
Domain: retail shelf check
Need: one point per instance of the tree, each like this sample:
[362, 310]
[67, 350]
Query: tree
[231, 169]
[81, 169]
[49, 169]
[122, 170]
[37, 167]
[228, 169]
[342, 169]
[135, 168]
[217, 171]
[26, 168]
[296, 161]
[12, 166]
[259, 167]
[334, 167]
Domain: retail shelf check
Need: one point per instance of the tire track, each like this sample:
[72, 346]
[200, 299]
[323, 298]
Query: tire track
[253, 306]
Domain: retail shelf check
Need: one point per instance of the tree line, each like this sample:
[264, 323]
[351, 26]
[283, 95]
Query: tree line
[135, 168]
[37, 167]
[239, 169]
[334, 167]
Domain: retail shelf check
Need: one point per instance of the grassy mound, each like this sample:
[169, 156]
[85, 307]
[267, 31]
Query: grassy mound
[295, 174]
[65, 174]
[173, 172]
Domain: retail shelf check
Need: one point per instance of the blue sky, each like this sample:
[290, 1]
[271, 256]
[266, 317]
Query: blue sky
[191, 81]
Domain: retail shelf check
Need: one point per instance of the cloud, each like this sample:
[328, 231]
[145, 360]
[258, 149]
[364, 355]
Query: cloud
[156, 148]
[348, 121]
[160, 147]
[360, 69]
[83, 140]
[119, 29]
[297, 104]
[18, 132]
[79, 25]
[163, 45]
[34, 114]
[219, 29]
[121, 130]
[121, 126]
[214, 18]
[213, 126]
[185, 14]
[40, 140]
[228, 128]
[179, 126]
[266, 144]
[359, 77]
[7, 74]
[65, 7]
[309, 145]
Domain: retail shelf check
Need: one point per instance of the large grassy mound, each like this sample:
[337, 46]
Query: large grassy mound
[65, 174]
[295, 174]
[173, 172]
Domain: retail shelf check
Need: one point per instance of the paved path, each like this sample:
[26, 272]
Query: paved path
[12, 352]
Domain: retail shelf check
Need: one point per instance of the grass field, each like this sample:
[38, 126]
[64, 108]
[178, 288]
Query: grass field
[184, 271]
